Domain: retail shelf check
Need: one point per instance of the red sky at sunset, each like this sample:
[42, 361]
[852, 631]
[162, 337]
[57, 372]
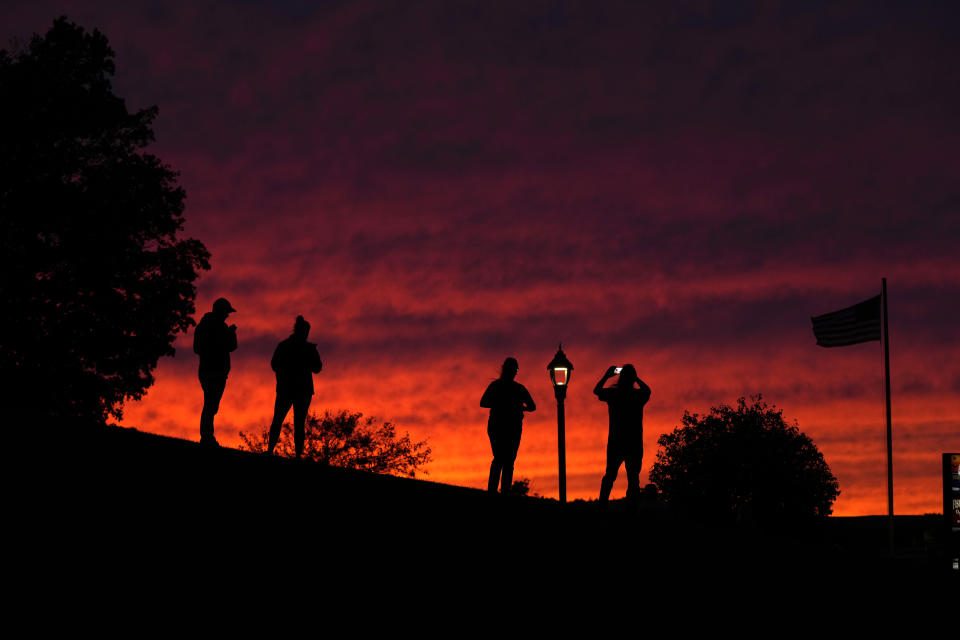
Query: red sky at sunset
[438, 185]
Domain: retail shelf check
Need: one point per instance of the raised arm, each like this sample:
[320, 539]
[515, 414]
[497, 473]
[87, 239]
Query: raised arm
[606, 376]
[643, 387]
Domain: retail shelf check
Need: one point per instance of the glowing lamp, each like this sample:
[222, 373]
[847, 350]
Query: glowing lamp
[560, 369]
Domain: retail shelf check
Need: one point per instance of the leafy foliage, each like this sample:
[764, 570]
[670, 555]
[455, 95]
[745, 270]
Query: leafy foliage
[96, 282]
[521, 487]
[744, 462]
[347, 439]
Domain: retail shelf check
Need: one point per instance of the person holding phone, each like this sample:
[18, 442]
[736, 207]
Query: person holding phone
[213, 341]
[507, 400]
[625, 401]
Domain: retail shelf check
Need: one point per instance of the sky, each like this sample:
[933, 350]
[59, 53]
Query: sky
[438, 185]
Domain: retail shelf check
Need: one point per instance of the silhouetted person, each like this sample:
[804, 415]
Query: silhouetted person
[294, 361]
[625, 440]
[213, 341]
[507, 399]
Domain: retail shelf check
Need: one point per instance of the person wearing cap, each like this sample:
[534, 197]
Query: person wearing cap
[213, 341]
[294, 361]
[625, 401]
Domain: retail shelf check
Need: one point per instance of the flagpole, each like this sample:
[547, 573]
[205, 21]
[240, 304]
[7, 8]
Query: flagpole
[886, 378]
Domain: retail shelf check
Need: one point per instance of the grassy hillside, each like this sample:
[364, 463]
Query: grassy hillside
[117, 498]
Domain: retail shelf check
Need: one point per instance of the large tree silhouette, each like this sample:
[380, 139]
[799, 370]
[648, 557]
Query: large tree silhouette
[95, 280]
[744, 462]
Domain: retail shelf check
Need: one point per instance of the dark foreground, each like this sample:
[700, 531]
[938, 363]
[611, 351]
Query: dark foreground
[137, 511]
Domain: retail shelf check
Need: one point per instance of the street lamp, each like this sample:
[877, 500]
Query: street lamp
[560, 369]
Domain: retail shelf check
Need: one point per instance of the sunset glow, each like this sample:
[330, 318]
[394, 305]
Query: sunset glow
[436, 186]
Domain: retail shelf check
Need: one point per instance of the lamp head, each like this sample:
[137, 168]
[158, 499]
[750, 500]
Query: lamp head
[560, 369]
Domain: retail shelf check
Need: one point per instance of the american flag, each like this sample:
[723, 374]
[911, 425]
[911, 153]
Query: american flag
[859, 323]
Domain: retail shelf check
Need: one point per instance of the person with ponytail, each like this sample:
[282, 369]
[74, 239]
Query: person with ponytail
[294, 361]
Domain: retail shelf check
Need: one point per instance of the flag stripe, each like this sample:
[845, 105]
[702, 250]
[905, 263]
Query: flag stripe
[866, 331]
[862, 336]
[841, 343]
[842, 321]
[853, 338]
[831, 342]
[848, 328]
[857, 326]
[859, 323]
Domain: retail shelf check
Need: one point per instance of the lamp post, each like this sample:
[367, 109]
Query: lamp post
[560, 369]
